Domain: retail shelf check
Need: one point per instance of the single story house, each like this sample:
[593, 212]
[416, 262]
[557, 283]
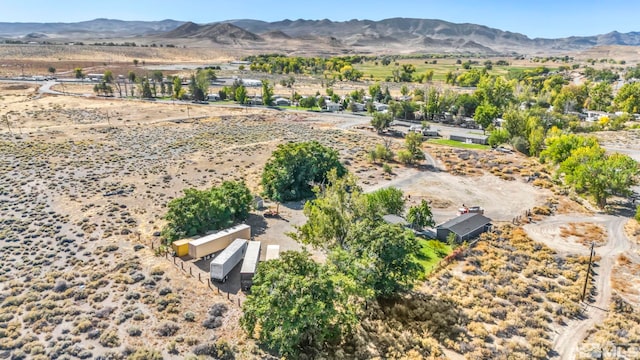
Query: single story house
[465, 227]
[281, 102]
[331, 106]
[470, 139]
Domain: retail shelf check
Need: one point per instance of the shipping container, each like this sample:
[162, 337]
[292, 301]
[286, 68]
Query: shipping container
[273, 252]
[222, 264]
[215, 242]
[181, 247]
[249, 264]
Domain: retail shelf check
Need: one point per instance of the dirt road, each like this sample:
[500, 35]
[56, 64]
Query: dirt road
[548, 232]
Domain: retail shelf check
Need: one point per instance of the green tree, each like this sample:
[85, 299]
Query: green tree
[331, 214]
[600, 96]
[498, 137]
[384, 201]
[145, 89]
[375, 91]
[108, 76]
[387, 254]
[136, 62]
[381, 121]
[293, 168]
[131, 76]
[628, 98]
[308, 102]
[433, 105]
[78, 73]
[199, 211]
[420, 215]
[413, 144]
[241, 94]
[51, 70]
[178, 91]
[297, 306]
[560, 147]
[590, 170]
[267, 93]
[485, 114]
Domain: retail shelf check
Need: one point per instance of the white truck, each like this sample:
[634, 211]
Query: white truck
[249, 265]
[215, 242]
[222, 264]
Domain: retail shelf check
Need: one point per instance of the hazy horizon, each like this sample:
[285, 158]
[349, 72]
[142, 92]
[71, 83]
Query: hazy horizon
[546, 18]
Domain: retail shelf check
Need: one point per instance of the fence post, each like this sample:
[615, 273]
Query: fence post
[238, 301]
[174, 261]
[182, 265]
[199, 279]
[190, 273]
[209, 283]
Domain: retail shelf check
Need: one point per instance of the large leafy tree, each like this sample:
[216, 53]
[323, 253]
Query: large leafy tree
[388, 255]
[628, 98]
[485, 114]
[384, 201]
[589, 170]
[298, 306]
[199, 211]
[294, 167]
[348, 224]
[560, 147]
[381, 121]
[420, 215]
[267, 93]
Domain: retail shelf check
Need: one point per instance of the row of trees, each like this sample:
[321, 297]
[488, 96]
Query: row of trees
[199, 211]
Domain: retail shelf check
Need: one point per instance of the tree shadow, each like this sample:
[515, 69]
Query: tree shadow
[622, 207]
[258, 224]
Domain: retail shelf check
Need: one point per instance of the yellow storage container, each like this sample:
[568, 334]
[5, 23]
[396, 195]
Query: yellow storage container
[181, 247]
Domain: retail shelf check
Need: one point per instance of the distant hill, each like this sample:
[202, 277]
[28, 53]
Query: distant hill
[221, 33]
[93, 28]
[404, 35]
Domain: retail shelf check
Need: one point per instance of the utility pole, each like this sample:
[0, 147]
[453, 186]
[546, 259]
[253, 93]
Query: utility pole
[586, 280]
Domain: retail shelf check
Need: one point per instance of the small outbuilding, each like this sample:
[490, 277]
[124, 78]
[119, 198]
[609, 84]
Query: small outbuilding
[465, 227]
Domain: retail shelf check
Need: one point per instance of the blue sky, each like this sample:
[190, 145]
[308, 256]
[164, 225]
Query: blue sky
[544, 18]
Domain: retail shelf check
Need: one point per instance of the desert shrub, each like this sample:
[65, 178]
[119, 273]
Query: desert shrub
[167, 329]
[145, 354]
[134, 331]
[110, 339]
[218, 309]
[212, 322]
[189, 316]
[219, 350]
[164, 291]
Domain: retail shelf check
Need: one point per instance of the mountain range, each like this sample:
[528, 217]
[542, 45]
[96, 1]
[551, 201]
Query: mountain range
[404, 35]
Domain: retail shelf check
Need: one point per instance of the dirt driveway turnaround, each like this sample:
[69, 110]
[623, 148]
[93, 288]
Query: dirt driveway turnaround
[547, 231]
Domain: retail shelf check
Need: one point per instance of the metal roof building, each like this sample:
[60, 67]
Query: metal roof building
[465, 227]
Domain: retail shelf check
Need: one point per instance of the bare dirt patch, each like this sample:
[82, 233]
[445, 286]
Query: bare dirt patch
[584, 233]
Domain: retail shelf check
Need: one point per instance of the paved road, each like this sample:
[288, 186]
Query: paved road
[567, 342]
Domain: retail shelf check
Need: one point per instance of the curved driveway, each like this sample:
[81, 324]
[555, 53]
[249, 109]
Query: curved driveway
[546, 231]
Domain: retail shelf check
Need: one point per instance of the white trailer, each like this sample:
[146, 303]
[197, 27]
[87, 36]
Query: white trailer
[215, 242]
[222, 264]
[249, 264]
[273, 252]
